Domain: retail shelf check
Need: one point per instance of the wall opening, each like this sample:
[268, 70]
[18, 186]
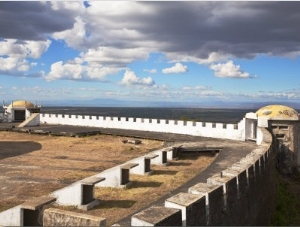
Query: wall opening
[31, 217]
[87, 194]
[19, 115]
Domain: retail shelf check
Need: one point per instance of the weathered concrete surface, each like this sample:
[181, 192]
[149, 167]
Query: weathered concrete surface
[157, 216]
[56, 217]
[192, 208]
[37, 203]
[214, 202]
[231, 152]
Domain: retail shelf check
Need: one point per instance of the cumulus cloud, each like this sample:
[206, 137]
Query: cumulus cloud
[78, 70]
[211, 58]
[13, 64]
[177, 68]
[114, 56]
[73, 36]
[116, 33]
[130, 78]
[14, 54]
[16, 49]
[34, 20]
[229, 70]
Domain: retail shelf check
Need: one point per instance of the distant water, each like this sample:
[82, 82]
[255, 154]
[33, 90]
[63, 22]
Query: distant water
[196, 114]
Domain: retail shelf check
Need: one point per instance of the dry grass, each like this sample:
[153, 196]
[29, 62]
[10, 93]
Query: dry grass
[35, 165]
[116, 204]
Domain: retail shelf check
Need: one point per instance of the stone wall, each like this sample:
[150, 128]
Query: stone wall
[205, 129]
[56, 217]
[243, 194]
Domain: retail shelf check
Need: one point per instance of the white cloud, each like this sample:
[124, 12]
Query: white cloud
[73, 37]
[130, 78]
[199, 88]
[177, 68]
[78, 70]
[114, 56]
[229, 70]
[10, 64]
[33, 49]
[212, 58]
[150, 70]
[13, 55]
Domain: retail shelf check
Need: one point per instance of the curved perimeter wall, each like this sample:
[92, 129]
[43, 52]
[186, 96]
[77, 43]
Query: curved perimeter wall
[243, 194]
[205, 129]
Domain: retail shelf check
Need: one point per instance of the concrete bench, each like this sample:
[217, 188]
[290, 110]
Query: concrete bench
[29, 213]
[197, 149]
[157, 216]
[88, 200]
[174, 153]
[148, 163]
[33, 210]
[125, 173]
[144, 167]
[80, 193]
[161, 158]
[117, 177]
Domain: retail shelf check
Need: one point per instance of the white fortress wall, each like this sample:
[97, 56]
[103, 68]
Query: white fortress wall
[205, 129]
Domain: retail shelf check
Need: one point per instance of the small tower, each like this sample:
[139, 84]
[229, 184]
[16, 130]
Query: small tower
[284, 123]
[20, 110]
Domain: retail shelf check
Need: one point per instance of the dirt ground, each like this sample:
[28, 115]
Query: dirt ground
[35, 165]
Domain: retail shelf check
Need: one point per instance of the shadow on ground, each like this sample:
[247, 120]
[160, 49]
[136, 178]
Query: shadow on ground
[116, 204]
[145, 184]
[178, 163]
[12, 148]
[164, 172]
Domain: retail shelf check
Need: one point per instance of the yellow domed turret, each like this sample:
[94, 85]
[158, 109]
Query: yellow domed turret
[21, 104]
[278, 112]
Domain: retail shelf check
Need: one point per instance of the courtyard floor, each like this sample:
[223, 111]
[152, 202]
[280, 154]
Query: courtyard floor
[33, 165]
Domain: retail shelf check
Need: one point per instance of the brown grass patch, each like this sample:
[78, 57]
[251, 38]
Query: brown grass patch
[116, 204]
[34, 165]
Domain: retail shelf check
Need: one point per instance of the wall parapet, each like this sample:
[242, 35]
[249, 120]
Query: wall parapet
[239, 195]
[205, 129]
[242, 194]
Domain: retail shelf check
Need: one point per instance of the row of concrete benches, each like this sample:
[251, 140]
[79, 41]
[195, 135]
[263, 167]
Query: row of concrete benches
[81, 193]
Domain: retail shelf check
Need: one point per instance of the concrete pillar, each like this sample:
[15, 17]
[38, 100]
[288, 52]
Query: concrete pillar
[157, 216]
[214, 202]
[193, 208]
[229, 184]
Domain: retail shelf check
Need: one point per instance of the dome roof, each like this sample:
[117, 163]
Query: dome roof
[278, 112]
[21, 104]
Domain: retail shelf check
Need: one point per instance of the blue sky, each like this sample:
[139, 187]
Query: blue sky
[195, 52]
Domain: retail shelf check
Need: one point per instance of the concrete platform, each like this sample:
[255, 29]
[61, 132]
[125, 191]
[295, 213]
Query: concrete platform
[231, 152]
